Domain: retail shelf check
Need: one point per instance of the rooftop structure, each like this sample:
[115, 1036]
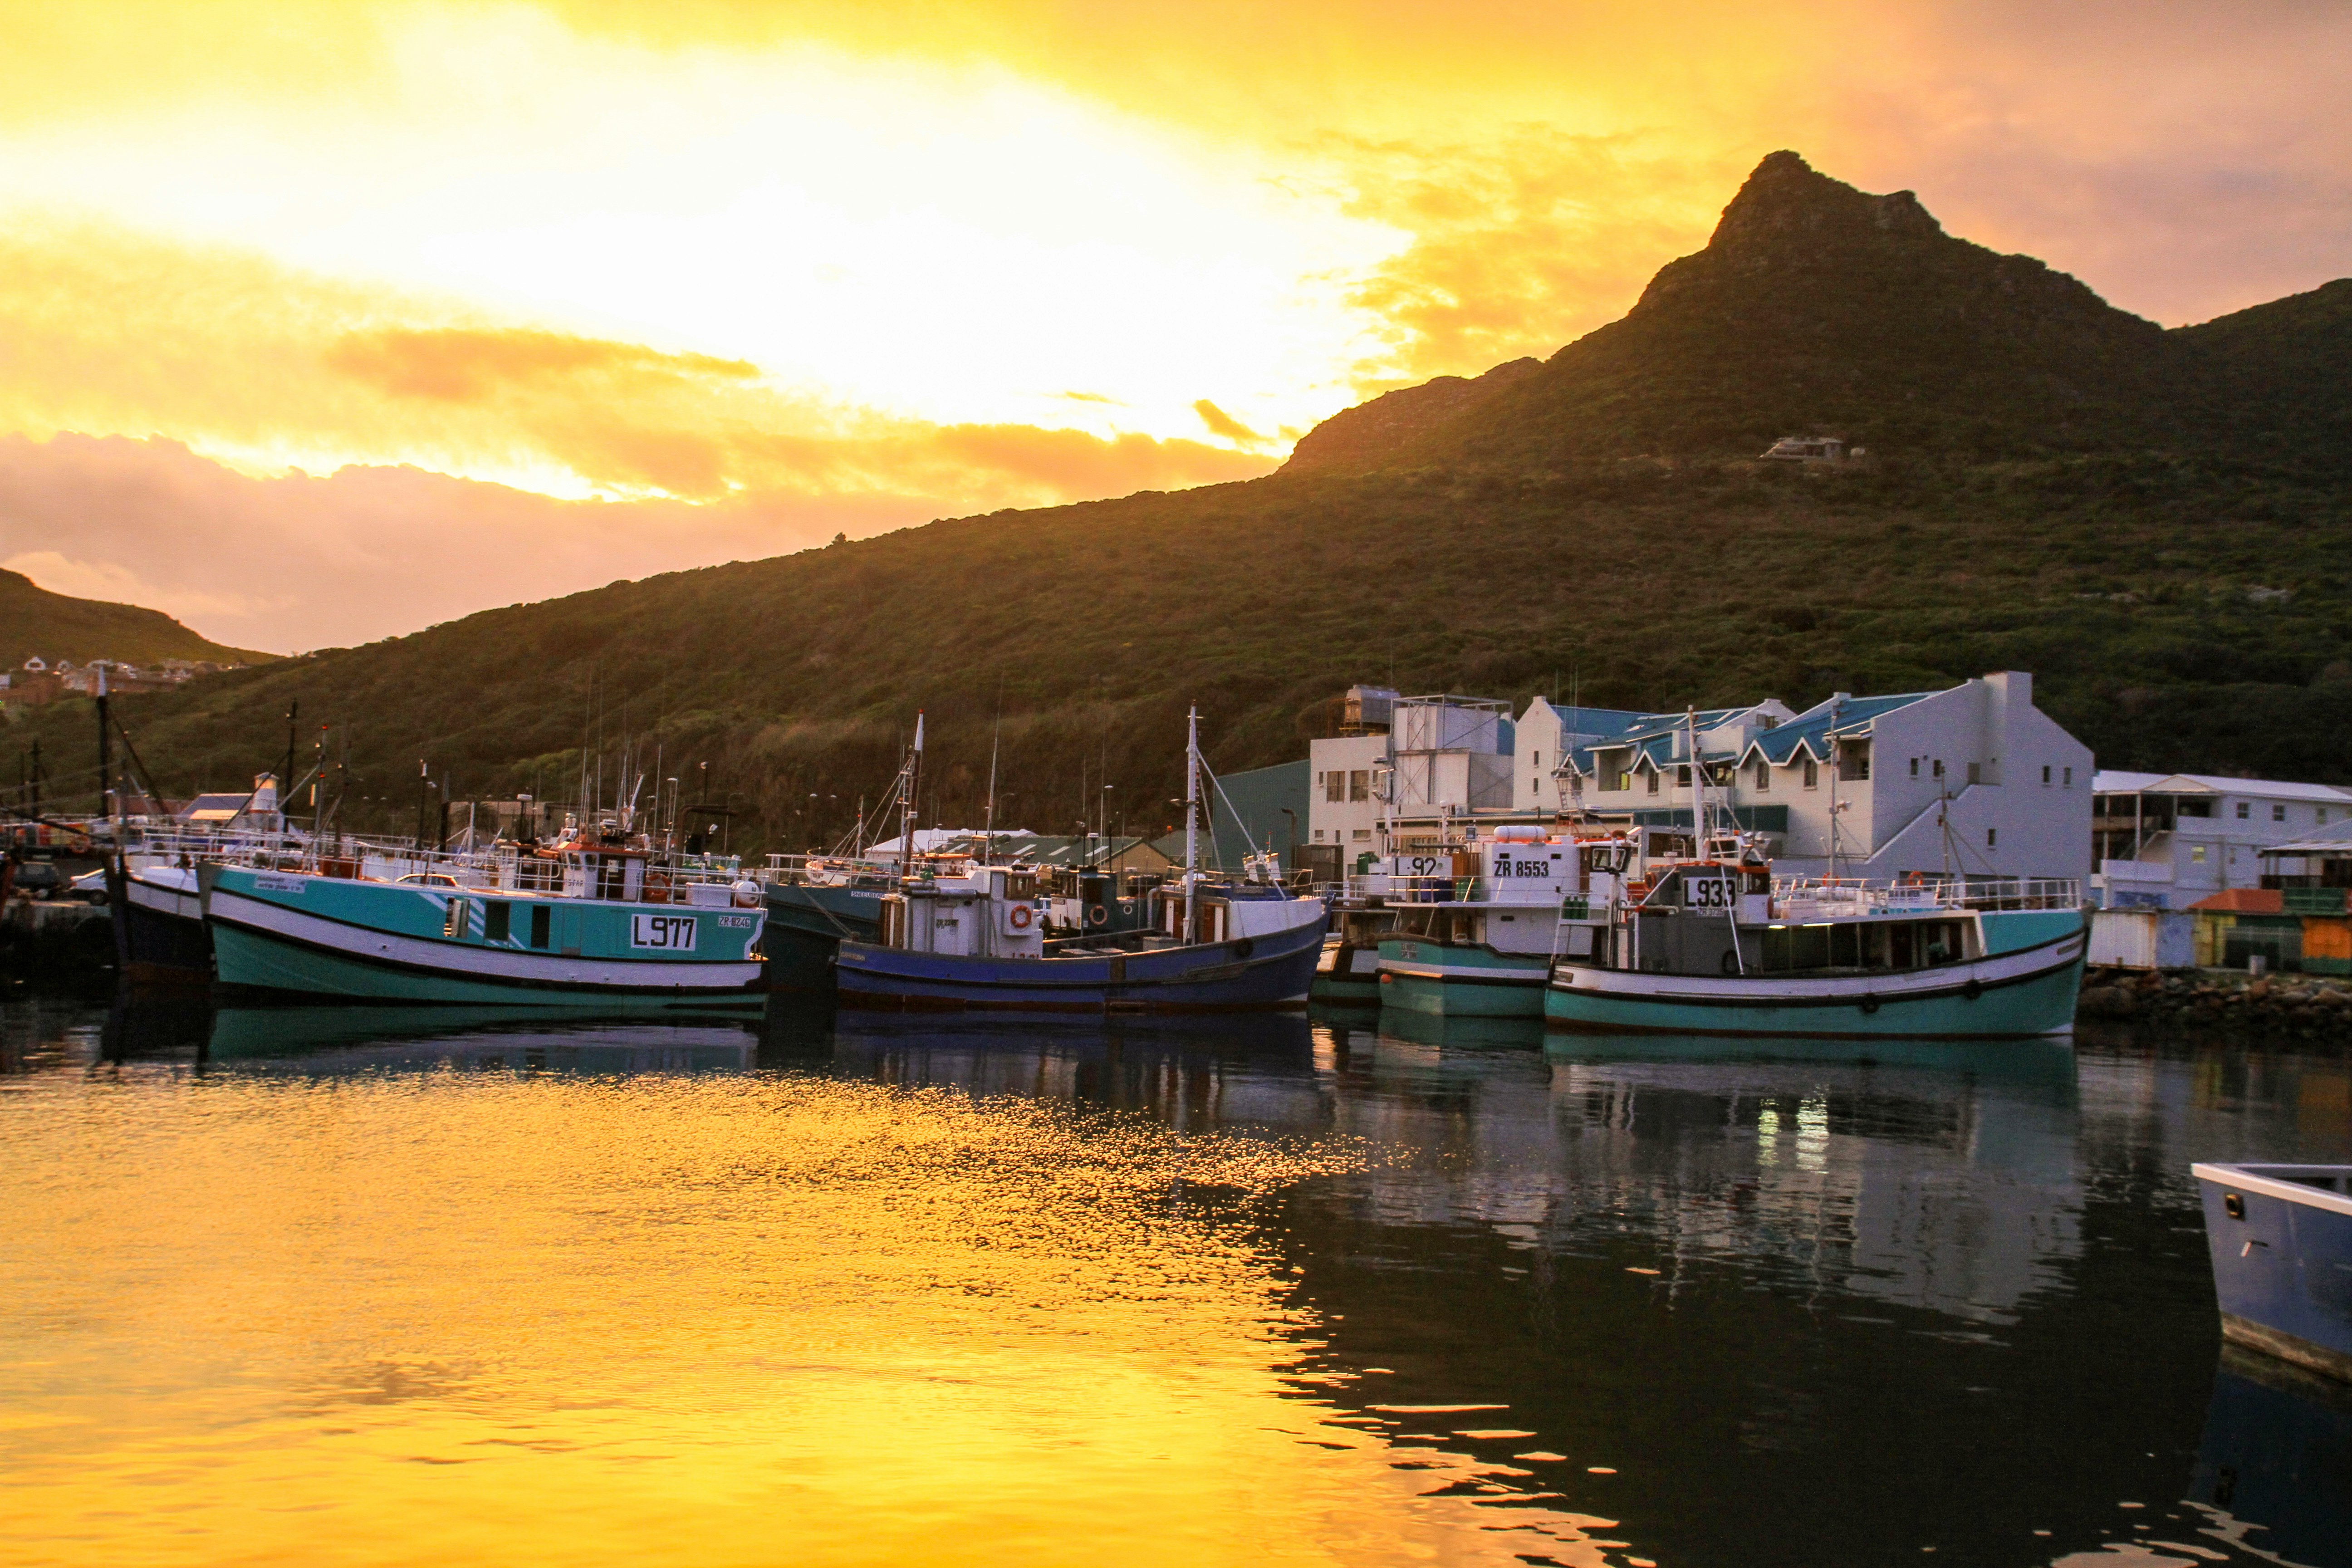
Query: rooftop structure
[2168, 840]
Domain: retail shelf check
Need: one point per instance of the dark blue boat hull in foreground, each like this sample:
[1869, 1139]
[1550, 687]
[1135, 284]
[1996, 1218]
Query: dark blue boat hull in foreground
[2281, 1242]
[807, 925]
[1273, 970]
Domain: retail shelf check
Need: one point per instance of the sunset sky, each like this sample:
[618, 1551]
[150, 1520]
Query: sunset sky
[321, 323]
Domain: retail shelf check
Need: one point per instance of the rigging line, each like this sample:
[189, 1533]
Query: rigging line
[154, 791]
[1218, 784]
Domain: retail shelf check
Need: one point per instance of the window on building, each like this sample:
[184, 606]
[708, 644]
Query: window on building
[2278, 813]
[1335, 785]
[1653, 781]
[2245, 810]
[2046, 778]
[1854, 759]
[1360, 785]
[2070, 778]
[2320, 817]
[1992, 838]
[1812, 774]
[1682, 776]
[2196, 853]
[1538, 764]
[1975, 775]
[1319, 836]
[1363, 833]
[1915, 768]
[1940, 767]
[1763, 774]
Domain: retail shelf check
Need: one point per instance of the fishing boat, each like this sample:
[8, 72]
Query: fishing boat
[1472, 929]
[159, 924]
[1720, 947]
[2280, 1239]
[812, 907]
[1347, 969]
[978, 941]
[594, 919]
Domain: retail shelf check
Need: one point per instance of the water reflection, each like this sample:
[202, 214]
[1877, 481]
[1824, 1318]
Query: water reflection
[865, 1287]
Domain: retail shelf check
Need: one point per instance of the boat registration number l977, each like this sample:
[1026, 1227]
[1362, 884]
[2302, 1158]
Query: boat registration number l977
[671, 933]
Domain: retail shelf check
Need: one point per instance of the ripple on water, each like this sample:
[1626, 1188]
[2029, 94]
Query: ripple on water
[486, 1317]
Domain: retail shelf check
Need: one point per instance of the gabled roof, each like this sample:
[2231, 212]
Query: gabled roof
[1811, 728]
[2109, 782]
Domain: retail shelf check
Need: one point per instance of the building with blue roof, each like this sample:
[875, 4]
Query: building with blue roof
[1973, 780]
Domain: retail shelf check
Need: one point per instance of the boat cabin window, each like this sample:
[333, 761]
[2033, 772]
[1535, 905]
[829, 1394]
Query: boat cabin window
[1863, 944]
[496, 914]
[539, 923]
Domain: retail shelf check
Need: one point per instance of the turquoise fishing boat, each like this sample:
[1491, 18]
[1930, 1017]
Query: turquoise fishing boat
[1471, 929]
[585, 923]
[1722, 949]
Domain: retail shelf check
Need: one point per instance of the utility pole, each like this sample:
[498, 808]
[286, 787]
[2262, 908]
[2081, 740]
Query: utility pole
[105, 741]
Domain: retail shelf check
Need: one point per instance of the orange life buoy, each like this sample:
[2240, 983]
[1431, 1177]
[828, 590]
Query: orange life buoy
[1021, 916]
[1097, 915]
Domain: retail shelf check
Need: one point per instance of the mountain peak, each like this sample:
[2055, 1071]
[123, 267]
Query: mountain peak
[1786, 199]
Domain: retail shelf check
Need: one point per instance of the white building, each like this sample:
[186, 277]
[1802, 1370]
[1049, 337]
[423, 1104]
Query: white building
[1973, 781]
[2167, 840]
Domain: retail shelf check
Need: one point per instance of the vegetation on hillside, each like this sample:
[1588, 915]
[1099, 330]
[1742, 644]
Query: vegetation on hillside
[34, 622]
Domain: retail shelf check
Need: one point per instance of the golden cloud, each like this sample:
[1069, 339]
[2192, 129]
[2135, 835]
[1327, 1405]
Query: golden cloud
[233, 355]
[1220, 423]
[1520, 244]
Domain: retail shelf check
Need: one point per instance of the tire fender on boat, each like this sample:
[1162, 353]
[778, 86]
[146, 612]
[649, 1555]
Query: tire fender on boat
[1869, 1003]
[1973, 989]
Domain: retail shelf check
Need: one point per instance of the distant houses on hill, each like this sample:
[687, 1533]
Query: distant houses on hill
[39, 680]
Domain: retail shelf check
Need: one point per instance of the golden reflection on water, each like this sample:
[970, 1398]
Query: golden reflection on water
[484, 1318]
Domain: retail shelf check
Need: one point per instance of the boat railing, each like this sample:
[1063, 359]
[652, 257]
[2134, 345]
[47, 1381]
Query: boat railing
[1818, 898]
[1428, 889]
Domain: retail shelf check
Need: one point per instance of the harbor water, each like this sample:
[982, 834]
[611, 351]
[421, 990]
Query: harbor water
[347, 1285]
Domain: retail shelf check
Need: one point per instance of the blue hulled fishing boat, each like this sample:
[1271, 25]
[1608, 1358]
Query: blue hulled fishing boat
[2280, 1236]
[978, 941]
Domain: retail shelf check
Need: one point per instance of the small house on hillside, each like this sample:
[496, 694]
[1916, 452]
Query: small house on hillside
[1807, 449]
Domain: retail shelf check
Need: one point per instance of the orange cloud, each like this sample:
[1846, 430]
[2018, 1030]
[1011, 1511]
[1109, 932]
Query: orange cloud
[1220, 423]
[458, 366]
[298, 561]
[126, 334]
[1520, 244]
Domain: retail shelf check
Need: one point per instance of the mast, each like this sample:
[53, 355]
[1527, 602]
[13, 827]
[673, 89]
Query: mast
[1191, 819]
[907, 801]
[1829, 734]
[105, 757]
[1698, 783]
[995, 745]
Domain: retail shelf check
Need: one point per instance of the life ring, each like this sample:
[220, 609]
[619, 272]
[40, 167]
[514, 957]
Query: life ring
[1020, 916]
[1096, 915]
[1731, 962]
[1973, 989]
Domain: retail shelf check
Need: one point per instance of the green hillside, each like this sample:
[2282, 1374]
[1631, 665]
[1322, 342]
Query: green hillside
[36, 622]
[2153, 522]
